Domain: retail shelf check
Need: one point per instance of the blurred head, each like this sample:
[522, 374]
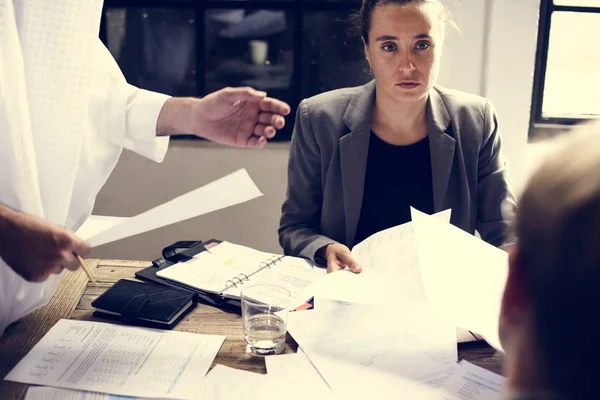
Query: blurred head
[403, 44]
[552, 297]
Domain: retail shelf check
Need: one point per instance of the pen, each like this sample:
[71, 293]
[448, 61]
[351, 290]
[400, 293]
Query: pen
[87, 269]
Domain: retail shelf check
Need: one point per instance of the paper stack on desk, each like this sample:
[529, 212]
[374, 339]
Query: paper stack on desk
[119, 360]
[362, 346]
[390, 275]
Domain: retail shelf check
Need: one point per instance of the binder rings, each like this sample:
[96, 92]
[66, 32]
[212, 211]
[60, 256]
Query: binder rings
[219, 272]
[181, 252]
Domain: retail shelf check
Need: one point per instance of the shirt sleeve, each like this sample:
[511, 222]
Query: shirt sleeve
[130, 113]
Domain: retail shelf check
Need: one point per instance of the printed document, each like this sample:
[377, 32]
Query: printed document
[470, 382]
[390, 273]
[119, 360]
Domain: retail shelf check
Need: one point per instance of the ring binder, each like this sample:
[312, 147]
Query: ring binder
[227, 284]
[225, 263]
[238, 279]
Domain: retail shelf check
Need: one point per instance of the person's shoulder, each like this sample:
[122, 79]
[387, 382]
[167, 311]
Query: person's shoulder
[456, 99]
[333, 103]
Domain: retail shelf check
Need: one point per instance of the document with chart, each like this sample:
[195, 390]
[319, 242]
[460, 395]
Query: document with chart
[119, 360]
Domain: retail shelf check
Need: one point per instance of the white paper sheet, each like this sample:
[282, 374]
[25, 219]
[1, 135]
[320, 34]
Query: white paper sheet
[390, 275]
[96, 224]
[50, 393]
[225, 383]
[463, 276]
[230, 190]
[362, 347]
[229, 383]
[470, 382]
[297, 371]
[120, 360]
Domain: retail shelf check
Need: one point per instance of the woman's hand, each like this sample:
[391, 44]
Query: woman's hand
[339, 257]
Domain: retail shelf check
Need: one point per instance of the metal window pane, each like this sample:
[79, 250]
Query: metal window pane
[572, 84]
[331, 59]
[580, 3]
[154, 47]
[250, 48]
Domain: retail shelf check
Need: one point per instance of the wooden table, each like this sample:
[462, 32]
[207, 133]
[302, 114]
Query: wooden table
[73, 300]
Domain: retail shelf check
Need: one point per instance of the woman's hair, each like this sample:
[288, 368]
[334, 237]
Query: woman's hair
[360, 21]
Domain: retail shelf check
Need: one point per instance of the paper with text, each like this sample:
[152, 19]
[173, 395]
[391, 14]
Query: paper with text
[228, 268]
[463, 276]
[390, 275]
[119, 360]
[50, 393]
[230, 190]
[297, 275]
[470, 382]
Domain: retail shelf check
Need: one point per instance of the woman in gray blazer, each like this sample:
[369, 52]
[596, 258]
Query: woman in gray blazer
[360, 157]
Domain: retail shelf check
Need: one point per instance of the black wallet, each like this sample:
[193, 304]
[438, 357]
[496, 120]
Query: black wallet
[145, 304]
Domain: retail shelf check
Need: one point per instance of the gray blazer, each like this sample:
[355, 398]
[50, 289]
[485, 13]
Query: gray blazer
[328, 159]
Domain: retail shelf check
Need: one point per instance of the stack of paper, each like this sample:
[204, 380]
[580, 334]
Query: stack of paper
[390, 275]
[470, 382]
[119, 360]
[292, 376]
[362, 347]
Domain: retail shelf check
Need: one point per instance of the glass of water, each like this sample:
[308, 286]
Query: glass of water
[265, 312]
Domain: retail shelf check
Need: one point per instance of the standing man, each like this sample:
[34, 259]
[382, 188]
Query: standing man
[66, 113]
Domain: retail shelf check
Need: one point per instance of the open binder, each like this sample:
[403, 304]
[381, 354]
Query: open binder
[239, 280]
[183, 251]
[226, 268]
[218, 272]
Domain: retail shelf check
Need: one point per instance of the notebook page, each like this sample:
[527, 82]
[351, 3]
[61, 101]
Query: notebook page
[293, 273]
[243, 259]
[205, 272]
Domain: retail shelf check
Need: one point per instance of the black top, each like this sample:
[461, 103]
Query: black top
[397, 178]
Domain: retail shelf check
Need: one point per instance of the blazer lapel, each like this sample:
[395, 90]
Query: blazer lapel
[442, 147]
[354, 150]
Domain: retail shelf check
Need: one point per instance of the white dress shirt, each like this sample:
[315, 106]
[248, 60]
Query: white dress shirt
[66, 113]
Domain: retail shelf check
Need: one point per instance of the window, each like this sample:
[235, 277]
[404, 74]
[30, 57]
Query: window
[292, 49]
[567, 76]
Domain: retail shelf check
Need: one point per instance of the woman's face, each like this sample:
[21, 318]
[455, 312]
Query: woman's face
[404, 50]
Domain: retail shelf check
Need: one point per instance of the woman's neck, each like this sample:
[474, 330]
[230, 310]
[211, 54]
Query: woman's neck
[400, 123]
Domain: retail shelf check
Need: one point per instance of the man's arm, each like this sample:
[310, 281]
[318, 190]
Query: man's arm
[35, 248]
[239, 117]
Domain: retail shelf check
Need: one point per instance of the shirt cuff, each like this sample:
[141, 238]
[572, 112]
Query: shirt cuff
[143, 109]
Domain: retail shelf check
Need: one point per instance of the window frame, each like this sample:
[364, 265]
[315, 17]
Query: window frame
[298, 8]
[539, 125]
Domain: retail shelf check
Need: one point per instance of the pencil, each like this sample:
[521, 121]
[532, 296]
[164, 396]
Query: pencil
[87, 269]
